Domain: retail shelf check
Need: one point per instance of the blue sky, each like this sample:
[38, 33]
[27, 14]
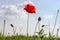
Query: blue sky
[46, 9]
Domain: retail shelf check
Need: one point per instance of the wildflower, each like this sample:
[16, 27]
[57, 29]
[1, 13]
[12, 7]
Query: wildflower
[30, 8]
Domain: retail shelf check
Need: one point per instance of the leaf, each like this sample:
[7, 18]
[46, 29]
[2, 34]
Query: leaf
[41, 32]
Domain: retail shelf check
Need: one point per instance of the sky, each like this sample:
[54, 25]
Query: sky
[12, 11]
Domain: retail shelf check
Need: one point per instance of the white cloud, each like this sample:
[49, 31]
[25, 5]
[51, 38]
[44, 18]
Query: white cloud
[12, 10]
[48, 16]
[14, 15]
[4, 6]
[2, 12]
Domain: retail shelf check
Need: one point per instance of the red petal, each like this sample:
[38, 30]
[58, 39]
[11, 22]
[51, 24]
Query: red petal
[30, 8]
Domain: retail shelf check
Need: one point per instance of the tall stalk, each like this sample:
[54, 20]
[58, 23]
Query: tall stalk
[35, 30]
[57, 33]
[13, 28]
[39, 19]
[55, 21]
[4, 26]
[27, 25]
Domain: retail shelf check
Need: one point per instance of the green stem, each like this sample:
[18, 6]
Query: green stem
[35, 30]
[4, 26]
[55, 21]
[38, 25]
[27, 25]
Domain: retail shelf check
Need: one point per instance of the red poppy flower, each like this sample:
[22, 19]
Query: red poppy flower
[30, 8]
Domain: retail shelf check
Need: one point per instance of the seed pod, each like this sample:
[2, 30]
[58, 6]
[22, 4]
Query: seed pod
[43, 25]
[39, 19]
[11, 25]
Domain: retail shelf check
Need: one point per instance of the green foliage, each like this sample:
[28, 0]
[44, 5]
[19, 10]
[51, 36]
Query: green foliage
[41, 33]
[50, 36]
[22, 37]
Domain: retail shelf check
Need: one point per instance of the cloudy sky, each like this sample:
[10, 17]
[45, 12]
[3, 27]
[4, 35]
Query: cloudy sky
[12, 11]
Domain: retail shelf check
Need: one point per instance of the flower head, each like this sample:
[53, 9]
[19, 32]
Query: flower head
[30, 8]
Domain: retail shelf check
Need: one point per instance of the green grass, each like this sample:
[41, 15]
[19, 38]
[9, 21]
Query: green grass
[41, 36]
[21, 37]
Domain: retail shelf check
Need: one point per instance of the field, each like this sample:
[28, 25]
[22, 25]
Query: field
[22, 37]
